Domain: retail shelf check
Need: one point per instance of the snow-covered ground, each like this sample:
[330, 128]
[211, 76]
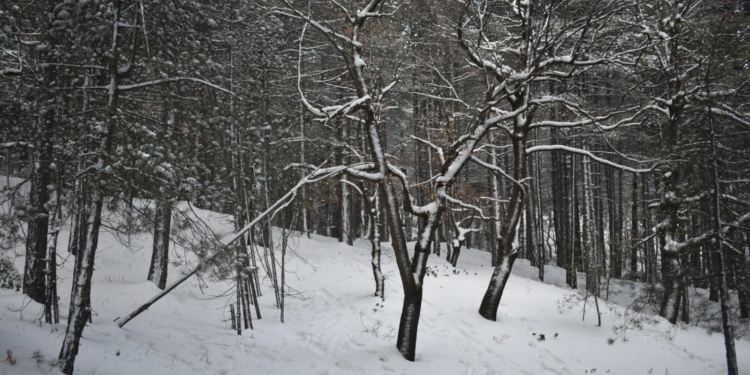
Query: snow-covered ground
[334, 325]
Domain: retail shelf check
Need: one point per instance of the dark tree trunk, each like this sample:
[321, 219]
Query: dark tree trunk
[493, 295]
[456, 245]
[406, 341]
[577, 254]
[570, 222]
[36, 238]
[80, 306]
[157, 272]
[539, 217]
[449, 246]
[743, 280]
[93, 200]
[649, 250]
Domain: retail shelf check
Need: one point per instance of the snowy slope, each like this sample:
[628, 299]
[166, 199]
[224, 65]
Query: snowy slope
[335, 325]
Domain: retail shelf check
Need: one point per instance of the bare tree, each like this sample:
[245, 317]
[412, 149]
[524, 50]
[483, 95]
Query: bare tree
[519, 47]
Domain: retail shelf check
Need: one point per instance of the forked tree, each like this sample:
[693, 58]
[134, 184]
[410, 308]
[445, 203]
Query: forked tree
[366, 94]
[522, 47]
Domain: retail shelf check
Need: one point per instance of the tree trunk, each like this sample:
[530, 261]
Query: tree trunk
[743, 281]
[495, 192]
[406, 341]
[51, 306]
[36, 238]
[93, 200]
[157, 272]
[493, 295]
[591, 248]
[508, 253]
[619, 222]
[634, 229]
[80, 298]
[371, 206]
[723, 287]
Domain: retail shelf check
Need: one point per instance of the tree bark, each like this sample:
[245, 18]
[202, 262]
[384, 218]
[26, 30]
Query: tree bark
[157, 272]
[508, 253]
[38, 227]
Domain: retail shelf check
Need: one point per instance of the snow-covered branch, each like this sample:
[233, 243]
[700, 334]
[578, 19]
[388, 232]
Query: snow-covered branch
[586, 153]
[467, 206]
[494, 168]
[437, 149]
[16, 144]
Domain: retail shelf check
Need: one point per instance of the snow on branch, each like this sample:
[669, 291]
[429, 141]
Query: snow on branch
[98, 67]
[10, 71]
[16, 144]
[466, 205]
[726, 230]
[160, 81]
[494, 168]
[437, 149]
[589, 154]
[736, 224]
[589, 120]
[734, 199]
[357, 171]
[361, 17]
[742, 118]
[354, 186]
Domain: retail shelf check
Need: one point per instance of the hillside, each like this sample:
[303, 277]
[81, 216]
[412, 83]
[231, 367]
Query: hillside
[335, 326]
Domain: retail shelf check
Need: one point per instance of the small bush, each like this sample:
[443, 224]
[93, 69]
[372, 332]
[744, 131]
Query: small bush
[9, 276]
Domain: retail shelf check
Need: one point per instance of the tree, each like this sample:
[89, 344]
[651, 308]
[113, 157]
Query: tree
[536, 44]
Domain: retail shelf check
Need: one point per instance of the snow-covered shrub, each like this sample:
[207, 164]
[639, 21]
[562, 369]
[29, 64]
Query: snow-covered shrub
[9, 276]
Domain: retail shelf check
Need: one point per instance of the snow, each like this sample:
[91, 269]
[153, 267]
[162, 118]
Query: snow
[358, 62]
[335, 325]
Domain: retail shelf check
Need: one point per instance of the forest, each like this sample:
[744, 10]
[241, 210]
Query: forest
[606, 140]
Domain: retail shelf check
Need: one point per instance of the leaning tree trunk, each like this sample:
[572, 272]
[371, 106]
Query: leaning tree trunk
[506, 247]
[80, 296]
[493, 295]
[406, 341]
[412, 271]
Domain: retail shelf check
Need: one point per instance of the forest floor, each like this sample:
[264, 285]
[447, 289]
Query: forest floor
[334, 324]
